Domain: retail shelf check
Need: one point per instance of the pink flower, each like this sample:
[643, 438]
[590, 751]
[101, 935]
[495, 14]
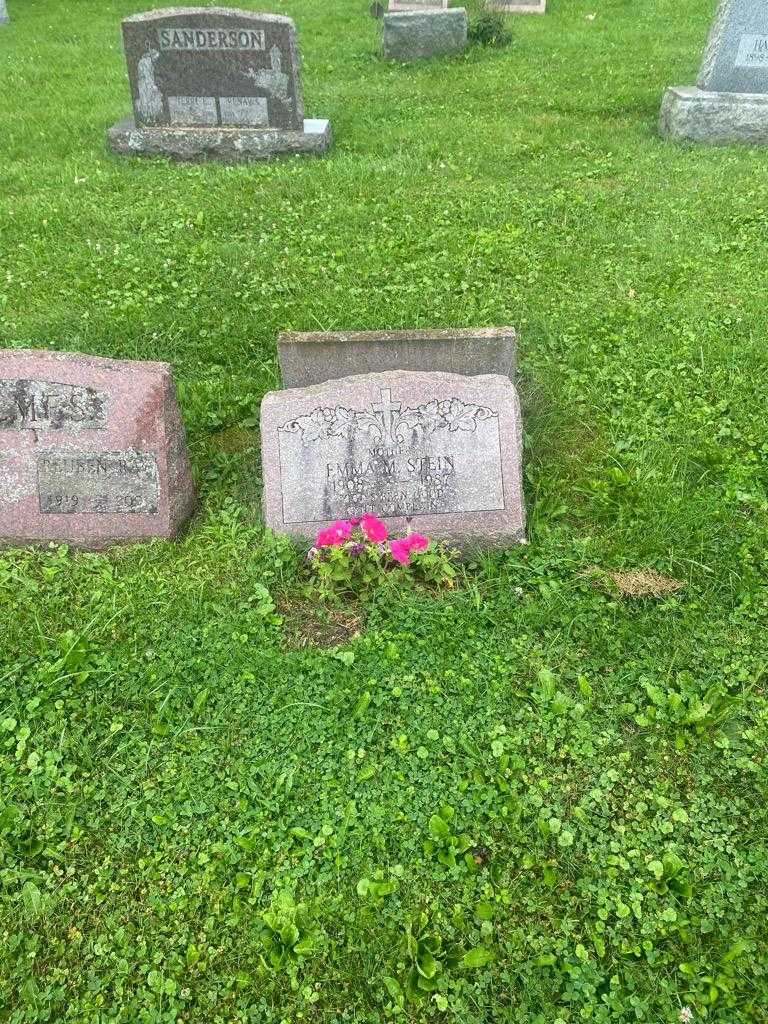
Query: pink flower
[400, 551]
[334, 534]
[374, 529]
[354, 521]
[417, 541]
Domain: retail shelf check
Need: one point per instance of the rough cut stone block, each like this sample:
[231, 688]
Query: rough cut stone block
[418, 35]
[442, 448]
[515, 7]
[92, 451]
[717, 118]
[214, 83]
[311, 358]
[227, 145]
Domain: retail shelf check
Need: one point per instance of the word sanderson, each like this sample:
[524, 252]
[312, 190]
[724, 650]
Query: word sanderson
[212, 39]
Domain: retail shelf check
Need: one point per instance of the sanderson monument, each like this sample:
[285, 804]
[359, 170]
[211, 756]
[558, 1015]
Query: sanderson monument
[214, 83]
[730, 100]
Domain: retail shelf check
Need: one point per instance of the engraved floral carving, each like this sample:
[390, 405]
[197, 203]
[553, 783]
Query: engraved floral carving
[390, 423]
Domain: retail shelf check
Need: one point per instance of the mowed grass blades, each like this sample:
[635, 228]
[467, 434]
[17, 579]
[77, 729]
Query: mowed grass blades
[538, 796]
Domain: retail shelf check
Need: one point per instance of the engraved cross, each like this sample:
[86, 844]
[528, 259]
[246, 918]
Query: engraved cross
[386, 408]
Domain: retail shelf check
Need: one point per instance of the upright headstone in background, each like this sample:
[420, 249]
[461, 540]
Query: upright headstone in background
[214, 83]
[317, 356]
[730, 100]
[420, 34]
[4, 19]
[92, 451]
[417, 5]
[517, 6]
[441, 448]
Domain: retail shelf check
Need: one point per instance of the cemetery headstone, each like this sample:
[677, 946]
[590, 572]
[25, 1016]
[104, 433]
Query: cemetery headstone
[411, 35]
[214, 83]
[441, 448]
[314, 357]
[4, 19]
[730, 100]
[417, 5]
[517, 6]
[92, 451]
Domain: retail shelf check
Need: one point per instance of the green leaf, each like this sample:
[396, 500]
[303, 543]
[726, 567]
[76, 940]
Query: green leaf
[739, 947]
[484, 911]
[672, 864]
[657, 869]
[289, 934]
[477, 957]
[362, 703]
[379, 889]
[438, 827]
[426, 964]
[155, 981]
[32, 899]
[393, 988]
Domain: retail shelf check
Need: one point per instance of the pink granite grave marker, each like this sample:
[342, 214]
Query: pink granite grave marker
[92, 450]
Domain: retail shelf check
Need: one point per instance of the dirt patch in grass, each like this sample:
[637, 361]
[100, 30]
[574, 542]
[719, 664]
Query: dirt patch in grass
[634, 582]
[308, 625]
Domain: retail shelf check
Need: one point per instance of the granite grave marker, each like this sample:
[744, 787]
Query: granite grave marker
[411, 35]
[417, 5]
[317, 356]
[730, 100]
[441, 448]
[214, 82]
[92, 451]
[517, 6]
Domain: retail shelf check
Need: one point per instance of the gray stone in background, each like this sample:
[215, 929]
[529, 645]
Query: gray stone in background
[418, 35]
[515, 7]
[736, 57]
[417, 5]
[311, 358]
[441, 448]
[4, 19]
[717, 118]
[729, 103]
[214, 83]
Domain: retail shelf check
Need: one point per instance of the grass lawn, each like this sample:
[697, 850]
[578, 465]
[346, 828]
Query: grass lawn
[215, 805]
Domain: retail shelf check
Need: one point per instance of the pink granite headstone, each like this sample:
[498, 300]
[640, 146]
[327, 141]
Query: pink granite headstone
[443, 449]
[92, 450]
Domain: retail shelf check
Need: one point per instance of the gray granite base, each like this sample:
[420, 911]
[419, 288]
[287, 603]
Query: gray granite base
[689, 114]
[517, 6]
[227, 145]
[419, 35]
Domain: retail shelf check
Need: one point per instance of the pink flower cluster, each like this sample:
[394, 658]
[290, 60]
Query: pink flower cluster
[375, 531]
